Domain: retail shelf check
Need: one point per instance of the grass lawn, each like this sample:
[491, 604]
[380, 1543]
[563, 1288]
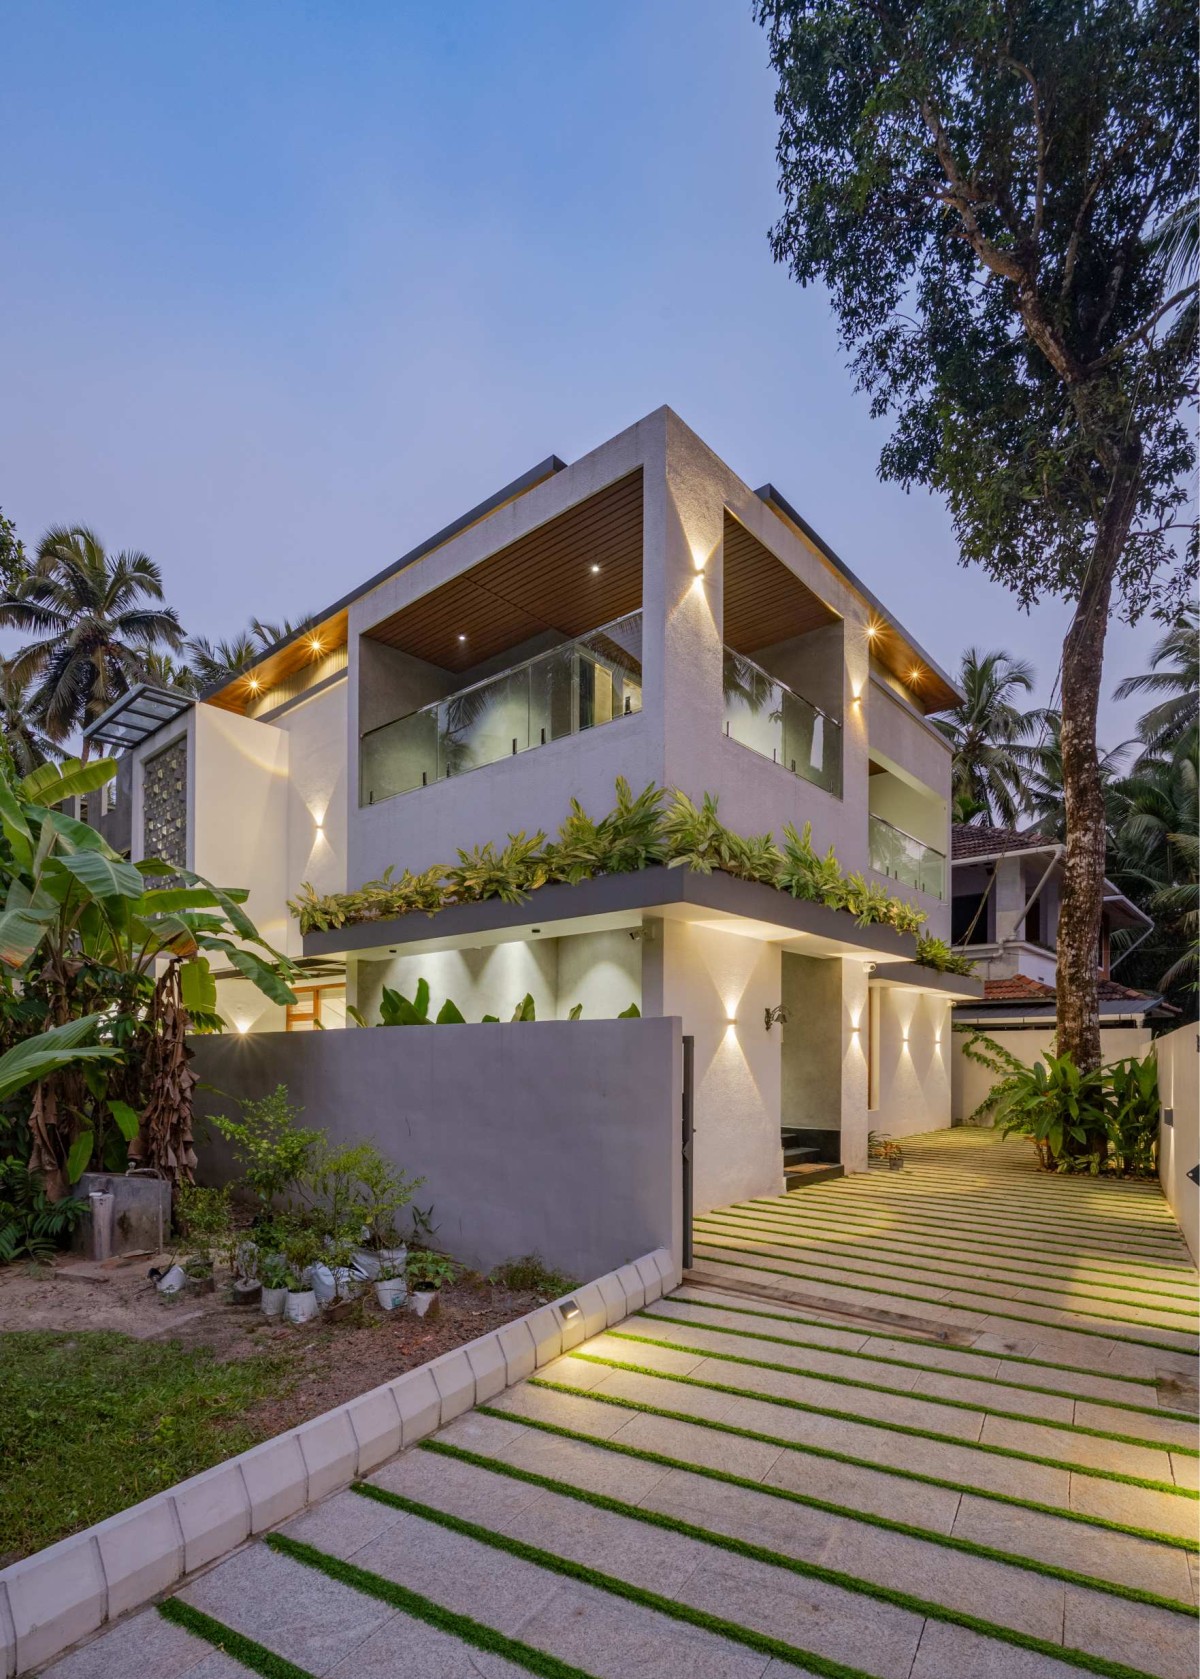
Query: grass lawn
[93, 1422]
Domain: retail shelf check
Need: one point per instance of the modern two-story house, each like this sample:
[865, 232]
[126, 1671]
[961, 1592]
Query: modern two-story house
[640, 613]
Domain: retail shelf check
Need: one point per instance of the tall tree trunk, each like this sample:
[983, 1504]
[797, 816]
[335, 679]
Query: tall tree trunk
[1083, 789]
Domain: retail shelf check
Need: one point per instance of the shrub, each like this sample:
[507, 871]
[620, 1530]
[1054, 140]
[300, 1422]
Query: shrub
[32, 1227]
[531, 1275]
[273, 1151]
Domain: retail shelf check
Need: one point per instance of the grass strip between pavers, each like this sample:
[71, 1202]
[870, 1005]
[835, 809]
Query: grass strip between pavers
[462, 1627]
[968, 1547]
[809, 1449]
[614, 1586]
[717, 1256]
[834, 1577]
[889, 1215]
[895, 1393]
[1071, 1210]
[1100, 1233]
[729, 1243]
[951, 1265]
[236, 1645]
[925, 1369]
[883, 1333]
[908, 1429]
[952, 1238]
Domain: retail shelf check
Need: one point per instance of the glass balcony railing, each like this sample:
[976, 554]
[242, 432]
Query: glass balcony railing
[571, 688]
[903, 858]
[768, 717]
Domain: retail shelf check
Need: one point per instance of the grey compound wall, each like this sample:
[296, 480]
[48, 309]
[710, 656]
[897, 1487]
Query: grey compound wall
[560, 1137]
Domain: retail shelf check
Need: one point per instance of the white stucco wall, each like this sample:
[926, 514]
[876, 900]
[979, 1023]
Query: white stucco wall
[914, 1063]
[707, 977]
[600, 970]
[971, 1083]
[317, 797]
[238, 804]
[1179, 1143]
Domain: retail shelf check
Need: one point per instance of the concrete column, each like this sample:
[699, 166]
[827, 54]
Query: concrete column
[1009, 893]
[855, 1119]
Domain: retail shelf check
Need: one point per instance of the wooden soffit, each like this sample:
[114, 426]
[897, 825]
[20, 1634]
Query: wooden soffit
[307, 647]
[571, 575]
[764, 601]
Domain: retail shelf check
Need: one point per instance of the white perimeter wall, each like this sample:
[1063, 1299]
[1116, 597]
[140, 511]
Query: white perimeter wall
[1179, 1143]
[914, 1063]
[971, 1083]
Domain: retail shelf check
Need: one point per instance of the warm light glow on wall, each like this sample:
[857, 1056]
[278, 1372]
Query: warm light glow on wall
[243, 1026]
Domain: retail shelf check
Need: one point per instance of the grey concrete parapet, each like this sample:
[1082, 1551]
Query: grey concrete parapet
[63, 1594]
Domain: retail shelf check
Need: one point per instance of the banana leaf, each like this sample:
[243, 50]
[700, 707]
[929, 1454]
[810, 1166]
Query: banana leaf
[61, 1046]
[50, 784]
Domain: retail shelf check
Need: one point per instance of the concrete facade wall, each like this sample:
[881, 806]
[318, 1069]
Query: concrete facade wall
[318, 790]
[1179, 1143]
[238, 812]
[561, 1137]
[914, 1063]
[971, 1083]
[718, 984]
[811, 1042]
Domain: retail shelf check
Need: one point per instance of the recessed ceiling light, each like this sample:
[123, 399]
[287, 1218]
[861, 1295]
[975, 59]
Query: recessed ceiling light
[315, 643]
[462, 638]
[595, 570]
[914, 674]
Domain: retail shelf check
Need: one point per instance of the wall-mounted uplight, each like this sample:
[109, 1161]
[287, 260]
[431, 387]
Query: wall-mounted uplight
[731, 1020]
[243, 1026]
[319, 823]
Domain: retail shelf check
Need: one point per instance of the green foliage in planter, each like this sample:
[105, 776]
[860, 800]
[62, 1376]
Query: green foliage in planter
[31, 1226]
[427, 1270]
[936, 953]
[1134, 1114]
[637, 833]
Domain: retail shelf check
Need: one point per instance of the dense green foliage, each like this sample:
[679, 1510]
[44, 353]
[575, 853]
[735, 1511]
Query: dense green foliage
[1101, 1119]
[647, 831]
[991, 735]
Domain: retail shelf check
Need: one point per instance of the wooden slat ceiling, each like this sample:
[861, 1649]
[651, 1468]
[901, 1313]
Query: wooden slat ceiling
[544, 581]
[311, 645]
[764, 601]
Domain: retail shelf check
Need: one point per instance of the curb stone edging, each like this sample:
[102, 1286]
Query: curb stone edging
[51, 1600]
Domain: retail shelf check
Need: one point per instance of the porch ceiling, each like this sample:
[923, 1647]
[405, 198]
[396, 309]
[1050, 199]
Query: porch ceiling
[545, 581]
[764, 601]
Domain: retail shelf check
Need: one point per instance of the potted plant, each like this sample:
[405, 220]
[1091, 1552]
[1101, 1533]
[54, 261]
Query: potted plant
[205, 1224]
[300, 1254]
[427, 1272]
[882, 1153]
[382, 1192]
[391, 1283]
[273, 1274]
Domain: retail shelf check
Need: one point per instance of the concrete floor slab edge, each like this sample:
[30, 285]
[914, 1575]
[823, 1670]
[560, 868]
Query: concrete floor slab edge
[65, 1593]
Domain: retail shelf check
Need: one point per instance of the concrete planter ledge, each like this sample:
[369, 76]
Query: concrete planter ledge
[58, 1596]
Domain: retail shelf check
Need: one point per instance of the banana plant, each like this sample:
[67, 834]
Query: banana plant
[83, 929]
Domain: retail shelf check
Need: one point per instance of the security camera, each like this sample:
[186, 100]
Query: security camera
[870, 967]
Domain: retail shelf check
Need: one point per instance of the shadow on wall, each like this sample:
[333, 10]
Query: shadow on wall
[561, 1137]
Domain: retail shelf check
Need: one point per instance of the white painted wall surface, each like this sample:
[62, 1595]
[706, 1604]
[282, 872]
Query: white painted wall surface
[1179, 1143]
[914, 1063]
[238, 809]
[317, 793]
[971, 1083]
[600, 970]
[708, 976]
[856, 1122]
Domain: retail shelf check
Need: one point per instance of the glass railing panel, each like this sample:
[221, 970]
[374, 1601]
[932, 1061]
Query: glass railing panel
[905, 859]
[399, 756]
[776, 722]
[484, 723]
[576, 686]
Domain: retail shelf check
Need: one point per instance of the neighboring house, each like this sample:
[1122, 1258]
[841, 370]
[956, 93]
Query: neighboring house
[1004, 914]
[639, 613]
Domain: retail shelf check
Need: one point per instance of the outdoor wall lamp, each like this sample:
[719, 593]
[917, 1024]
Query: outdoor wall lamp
[778, 1016]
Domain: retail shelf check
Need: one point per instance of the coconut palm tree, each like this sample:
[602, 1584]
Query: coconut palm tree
[216, 661]
[992, 737]
[91, 614]
[1174, 673]
[1154, 858]
[1042, 780]
[26, 745]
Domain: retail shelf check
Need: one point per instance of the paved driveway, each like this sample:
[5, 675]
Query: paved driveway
[930, 1424]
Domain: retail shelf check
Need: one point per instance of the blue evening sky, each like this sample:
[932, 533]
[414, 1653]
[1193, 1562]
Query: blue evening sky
[287, 286]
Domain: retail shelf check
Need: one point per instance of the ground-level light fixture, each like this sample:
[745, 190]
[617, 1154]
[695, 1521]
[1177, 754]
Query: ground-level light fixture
[568, 1310]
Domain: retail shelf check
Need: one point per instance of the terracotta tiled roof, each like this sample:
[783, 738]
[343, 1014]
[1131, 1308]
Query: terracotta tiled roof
[1021, 989]
[969, 839]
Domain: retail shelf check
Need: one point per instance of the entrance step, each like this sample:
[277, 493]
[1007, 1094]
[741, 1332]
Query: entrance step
[803, 1177]
[793, 1155]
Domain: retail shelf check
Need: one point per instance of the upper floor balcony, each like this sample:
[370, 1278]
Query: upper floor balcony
[763, 713]
[904, 858]
[576, 686]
